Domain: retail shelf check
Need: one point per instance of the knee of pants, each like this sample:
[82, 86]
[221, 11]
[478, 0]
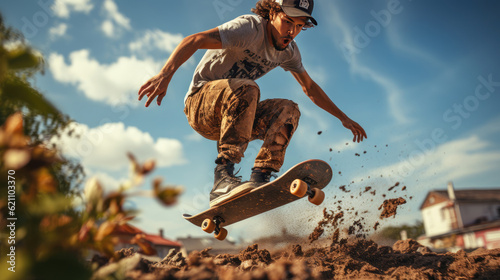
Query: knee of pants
[291, 109]
[252, 94]
[289, 115]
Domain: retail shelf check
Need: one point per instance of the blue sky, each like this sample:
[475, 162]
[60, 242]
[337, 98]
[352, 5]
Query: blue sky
[422, 77]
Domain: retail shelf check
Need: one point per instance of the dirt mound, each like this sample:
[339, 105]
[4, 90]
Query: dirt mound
[356, 259]
[338, 248]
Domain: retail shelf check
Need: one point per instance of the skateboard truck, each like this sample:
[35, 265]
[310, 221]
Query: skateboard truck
[214, 225]
[304, 187]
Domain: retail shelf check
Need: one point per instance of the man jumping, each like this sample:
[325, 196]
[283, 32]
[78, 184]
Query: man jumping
[223, 102]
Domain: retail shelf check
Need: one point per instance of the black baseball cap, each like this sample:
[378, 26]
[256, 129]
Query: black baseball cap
[298, 8]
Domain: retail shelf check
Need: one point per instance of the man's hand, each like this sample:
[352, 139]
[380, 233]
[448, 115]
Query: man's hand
[156, 87]
[319, 97]
[358, 132]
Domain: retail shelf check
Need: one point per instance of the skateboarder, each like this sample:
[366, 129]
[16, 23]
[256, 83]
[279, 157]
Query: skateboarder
[223, 101]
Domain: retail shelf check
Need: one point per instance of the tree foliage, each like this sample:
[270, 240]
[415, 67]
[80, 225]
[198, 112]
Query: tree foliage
[413, 231]
[42, 121]
[46, 238]
[46, 230]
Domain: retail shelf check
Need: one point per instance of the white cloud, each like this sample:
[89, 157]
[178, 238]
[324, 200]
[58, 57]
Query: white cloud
[105, 147]
[319, 74]
[63, 8]
[348, 45]
[58, 30]
[394, 34]
[115, 21]
[195, 137]
[156, 39]
[343, 145]
[317, 116]
[112, 9]
[393, 93]
[462, 158]
[492, 127]
[114, 83]
[454, 160]
[108, 182]
[108, 28]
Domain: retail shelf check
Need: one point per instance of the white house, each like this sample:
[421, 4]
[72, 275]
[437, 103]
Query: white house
[462, 219]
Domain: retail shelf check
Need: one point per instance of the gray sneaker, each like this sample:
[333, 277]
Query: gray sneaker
[226, 185]
[258, 178]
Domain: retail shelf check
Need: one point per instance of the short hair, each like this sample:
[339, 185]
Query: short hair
[264, 7]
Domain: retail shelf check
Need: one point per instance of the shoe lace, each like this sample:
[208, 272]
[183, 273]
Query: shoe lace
[239, 178]
[229, 168]
[234, 178]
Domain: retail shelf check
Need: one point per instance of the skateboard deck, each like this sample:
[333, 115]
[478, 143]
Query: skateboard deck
[313, 175]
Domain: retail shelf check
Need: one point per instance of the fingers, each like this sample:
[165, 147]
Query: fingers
[145, 85]
[150, 99]
[357, 138]
[160, 98]
[363, 133]
[152, 89]
[358, 132]
[360, 136]
[144, 90]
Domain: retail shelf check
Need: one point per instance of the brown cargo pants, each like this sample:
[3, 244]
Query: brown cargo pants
[229, 111]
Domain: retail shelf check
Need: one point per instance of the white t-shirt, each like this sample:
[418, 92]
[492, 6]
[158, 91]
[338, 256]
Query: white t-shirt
[246, 53]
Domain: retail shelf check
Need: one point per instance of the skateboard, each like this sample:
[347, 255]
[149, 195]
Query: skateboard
[305, 178]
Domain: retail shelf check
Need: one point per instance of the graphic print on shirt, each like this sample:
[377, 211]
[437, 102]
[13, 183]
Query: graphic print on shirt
[246, 70]
[250, 67]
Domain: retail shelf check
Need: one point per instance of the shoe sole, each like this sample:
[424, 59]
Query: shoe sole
[244, 188]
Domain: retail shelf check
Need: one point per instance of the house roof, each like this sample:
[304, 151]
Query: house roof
[467, 195]
[475, 194]
[158, 240]
[127, 229]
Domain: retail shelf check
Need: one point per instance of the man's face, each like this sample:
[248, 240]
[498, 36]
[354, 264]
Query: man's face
[283, 29]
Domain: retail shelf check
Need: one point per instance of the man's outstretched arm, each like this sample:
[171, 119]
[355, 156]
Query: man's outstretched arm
[156, 87]
[319, 97]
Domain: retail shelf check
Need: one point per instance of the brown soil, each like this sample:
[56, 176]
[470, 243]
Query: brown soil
[339, 247]
[354, 259]
[390, 206]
